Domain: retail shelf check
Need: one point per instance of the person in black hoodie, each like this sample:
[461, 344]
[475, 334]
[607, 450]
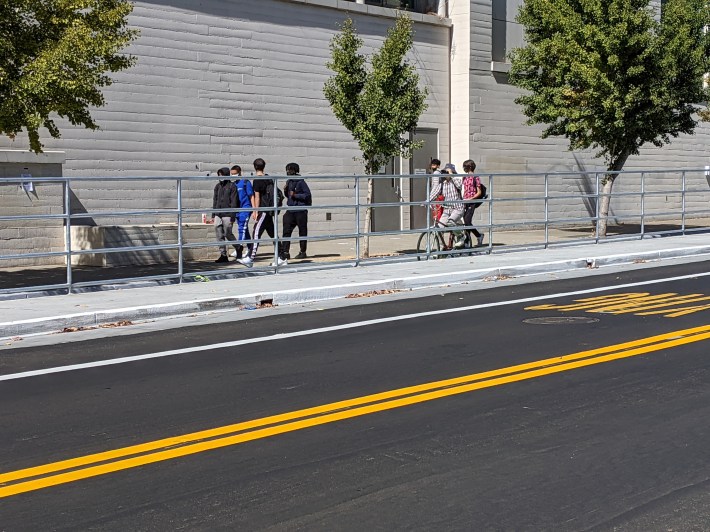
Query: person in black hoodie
[224, 197]
[297, 195]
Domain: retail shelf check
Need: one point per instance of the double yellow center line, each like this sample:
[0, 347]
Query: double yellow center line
[65, 471]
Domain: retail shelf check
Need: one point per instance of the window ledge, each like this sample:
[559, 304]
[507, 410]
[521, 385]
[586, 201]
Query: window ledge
[499, 66]
[26, 156]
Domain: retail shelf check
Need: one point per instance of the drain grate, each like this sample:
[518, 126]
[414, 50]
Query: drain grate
[561, 320]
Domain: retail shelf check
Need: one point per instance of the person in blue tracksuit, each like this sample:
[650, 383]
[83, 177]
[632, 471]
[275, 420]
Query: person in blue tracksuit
[245, 200]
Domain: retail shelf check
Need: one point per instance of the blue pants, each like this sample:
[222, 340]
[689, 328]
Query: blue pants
[243, 232]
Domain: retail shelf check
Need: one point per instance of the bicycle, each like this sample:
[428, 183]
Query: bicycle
[434, 240]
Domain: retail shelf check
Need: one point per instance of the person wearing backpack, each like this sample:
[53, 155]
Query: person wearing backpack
[473, 190]
[297, 195]
[264, 190]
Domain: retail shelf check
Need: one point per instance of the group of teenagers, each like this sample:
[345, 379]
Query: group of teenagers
[246, 196]
[455, 198]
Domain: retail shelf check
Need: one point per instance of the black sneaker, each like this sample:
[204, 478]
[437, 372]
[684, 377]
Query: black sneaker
[222, 258]
[301, 255]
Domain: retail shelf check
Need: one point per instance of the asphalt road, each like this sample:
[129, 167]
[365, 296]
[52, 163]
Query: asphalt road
[613, 437]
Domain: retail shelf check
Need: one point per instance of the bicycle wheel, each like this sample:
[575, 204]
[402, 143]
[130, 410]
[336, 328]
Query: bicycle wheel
[435, 244]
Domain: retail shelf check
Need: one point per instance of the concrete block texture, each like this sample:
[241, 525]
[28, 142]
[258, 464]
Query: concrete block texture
[267, 58]
[85, 238]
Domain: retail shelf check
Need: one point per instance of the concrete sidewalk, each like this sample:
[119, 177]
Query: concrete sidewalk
[294, 285]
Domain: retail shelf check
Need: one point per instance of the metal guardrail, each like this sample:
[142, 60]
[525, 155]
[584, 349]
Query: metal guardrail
[501, 217]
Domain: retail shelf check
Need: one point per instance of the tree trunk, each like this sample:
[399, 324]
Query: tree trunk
[604, 202]
[607, 184]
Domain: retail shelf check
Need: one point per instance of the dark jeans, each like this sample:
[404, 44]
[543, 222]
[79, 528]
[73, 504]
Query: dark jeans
[468, 218]
[293, 219]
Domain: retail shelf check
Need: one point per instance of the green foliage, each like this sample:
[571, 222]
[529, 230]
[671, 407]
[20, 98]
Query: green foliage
[608, 75]
[54, 57]
[378, 106]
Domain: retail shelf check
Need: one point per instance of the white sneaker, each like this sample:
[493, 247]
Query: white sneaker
[246, 261]
[459, 243]
[480, 240]
[233, 253]
[279, 262]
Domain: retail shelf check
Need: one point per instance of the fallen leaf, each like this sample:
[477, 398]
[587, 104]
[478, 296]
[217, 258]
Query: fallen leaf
[371, 293]
[75, 329]
[124, 323]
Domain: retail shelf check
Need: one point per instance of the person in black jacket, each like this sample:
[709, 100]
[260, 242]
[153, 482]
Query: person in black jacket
[224, 197]
[297, 195]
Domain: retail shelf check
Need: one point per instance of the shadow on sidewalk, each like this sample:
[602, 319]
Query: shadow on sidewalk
[32, 277]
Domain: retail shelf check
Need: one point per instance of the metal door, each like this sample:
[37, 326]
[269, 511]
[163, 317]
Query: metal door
[420, 164]
[387, 190]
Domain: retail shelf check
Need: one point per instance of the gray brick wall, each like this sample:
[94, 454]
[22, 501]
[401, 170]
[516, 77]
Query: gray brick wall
[500, 141]
[223, 81]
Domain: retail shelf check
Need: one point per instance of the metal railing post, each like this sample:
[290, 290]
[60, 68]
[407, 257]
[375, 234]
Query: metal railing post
[427, 204]
[274, 206]
[683, 206]
[357, 220]
[596, 209]
[547, 212]
[643, 204]
[67, 232]
[179, 231]
[490, 213]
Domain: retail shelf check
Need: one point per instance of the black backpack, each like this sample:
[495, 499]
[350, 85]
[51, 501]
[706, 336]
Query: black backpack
[484, 192]
[267, 199]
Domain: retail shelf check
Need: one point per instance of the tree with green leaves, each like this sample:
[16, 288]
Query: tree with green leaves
[54, 58]
[611, 76]
[380, 104]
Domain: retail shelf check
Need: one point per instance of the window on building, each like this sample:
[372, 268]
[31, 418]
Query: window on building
[506, 33]
[416, 6]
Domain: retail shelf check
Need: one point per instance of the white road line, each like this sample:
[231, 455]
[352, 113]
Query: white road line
[321, 330]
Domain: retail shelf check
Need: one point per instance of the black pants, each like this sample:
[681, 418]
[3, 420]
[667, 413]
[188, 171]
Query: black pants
[265, 222]
[468, 218]
[293, 219]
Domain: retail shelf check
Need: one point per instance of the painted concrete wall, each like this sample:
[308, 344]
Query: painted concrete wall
[221, 82]
[500, 142]
[225, 81]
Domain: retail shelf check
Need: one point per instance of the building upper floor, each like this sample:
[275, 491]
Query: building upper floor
[428, 7]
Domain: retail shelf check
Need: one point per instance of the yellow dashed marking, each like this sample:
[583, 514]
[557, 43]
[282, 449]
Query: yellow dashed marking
[670, 305]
